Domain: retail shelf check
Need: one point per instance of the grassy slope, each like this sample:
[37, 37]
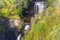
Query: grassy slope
[46, 26]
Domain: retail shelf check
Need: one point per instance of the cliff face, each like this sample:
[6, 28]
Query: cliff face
[46, 25]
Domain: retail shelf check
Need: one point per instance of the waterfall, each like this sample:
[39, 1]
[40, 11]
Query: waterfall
[19, 37]
[39, 7]
[27, 26]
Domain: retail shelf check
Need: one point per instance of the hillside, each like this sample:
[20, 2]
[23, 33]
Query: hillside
[46, 25]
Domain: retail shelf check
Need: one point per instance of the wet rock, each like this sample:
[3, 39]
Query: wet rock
[4, 20]
[8, 35]
[10, 32]
[19, 37]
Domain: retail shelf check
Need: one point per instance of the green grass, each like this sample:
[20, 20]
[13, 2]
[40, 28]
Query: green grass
[45, 30]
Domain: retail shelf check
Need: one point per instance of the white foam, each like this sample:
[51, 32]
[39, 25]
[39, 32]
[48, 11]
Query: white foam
[39, 7]
[19, 37]
[27, 27]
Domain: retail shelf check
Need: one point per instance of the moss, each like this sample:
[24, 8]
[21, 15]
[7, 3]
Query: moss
[50, 2]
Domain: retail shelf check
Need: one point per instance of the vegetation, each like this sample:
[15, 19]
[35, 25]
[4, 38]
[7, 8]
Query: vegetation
[45, 27]
[49, 2]
[11, 9]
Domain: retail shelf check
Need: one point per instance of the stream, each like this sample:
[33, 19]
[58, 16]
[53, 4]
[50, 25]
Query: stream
[35, 9]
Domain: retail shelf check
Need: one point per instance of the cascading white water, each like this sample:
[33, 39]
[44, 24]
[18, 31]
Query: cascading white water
[26, 28]
[19, 37]
[39, 7]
